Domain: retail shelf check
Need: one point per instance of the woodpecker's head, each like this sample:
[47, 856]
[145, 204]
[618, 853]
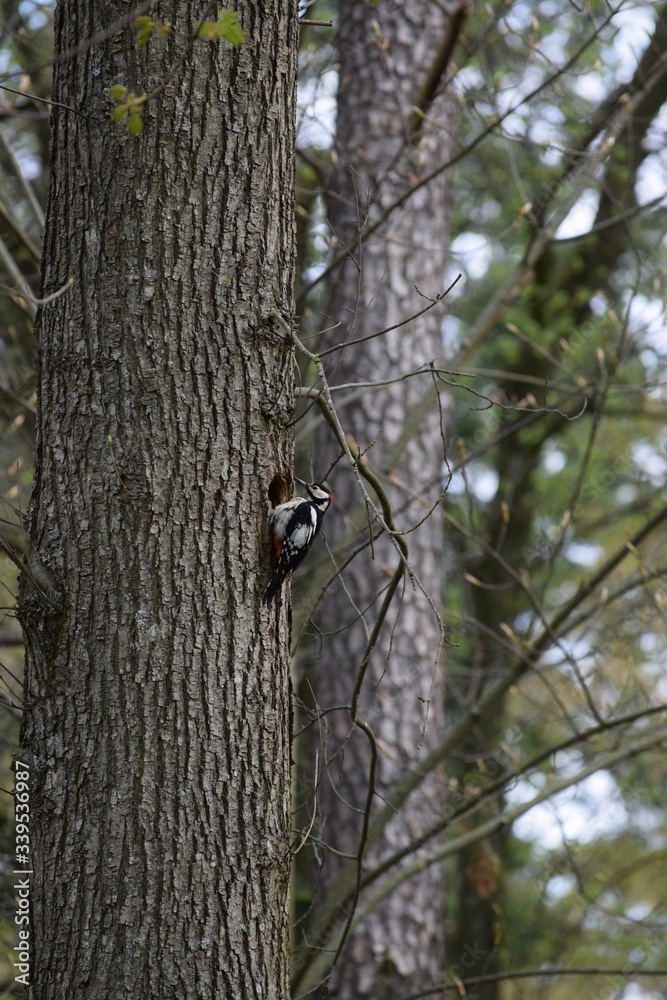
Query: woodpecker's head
[319, 493]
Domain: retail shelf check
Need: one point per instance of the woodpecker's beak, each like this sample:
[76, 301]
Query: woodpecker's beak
[300, 482]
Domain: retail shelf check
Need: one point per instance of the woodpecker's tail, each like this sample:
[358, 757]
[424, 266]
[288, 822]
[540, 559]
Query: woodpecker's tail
[275, 584]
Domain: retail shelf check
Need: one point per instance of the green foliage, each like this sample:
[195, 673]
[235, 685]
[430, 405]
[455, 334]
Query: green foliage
[118, 92]
[226, 27]
[146, 28]
[134, 124]
[574, 482]
[129, 108]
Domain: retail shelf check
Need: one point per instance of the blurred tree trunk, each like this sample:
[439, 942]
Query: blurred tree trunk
[157, 685]
[392, 61]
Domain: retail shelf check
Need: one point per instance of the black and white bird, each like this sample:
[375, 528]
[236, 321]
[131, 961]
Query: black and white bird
[295, 525]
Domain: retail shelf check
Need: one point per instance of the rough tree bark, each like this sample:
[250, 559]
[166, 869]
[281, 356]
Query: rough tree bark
[157, 685]
[392, 60]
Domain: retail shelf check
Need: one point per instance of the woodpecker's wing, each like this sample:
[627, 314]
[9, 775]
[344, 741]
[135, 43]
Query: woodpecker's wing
[280, 518]
[295, 525]
[295, 529]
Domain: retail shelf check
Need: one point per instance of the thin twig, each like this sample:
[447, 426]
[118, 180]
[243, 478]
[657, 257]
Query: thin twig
[499, 977]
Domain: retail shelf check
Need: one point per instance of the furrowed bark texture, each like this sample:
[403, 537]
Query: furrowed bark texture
[386, 53]
[158, 686]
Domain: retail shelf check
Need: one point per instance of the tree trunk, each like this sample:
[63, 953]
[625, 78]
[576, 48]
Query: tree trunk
[157, 685]
[510, 527]
[389, 62]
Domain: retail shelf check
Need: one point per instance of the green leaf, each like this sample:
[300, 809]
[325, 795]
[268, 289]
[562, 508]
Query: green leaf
[230, 28]
[118, 92]
[146, 26]
[144, 35]
[227, 26]
[135, 124]
[208, 30]
[119, 113]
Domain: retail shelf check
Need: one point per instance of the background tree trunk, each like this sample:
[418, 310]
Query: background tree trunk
[157, 686]
[391, 61]
[509, 526]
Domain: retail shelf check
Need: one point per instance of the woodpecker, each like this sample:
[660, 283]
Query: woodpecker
[294, 525]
